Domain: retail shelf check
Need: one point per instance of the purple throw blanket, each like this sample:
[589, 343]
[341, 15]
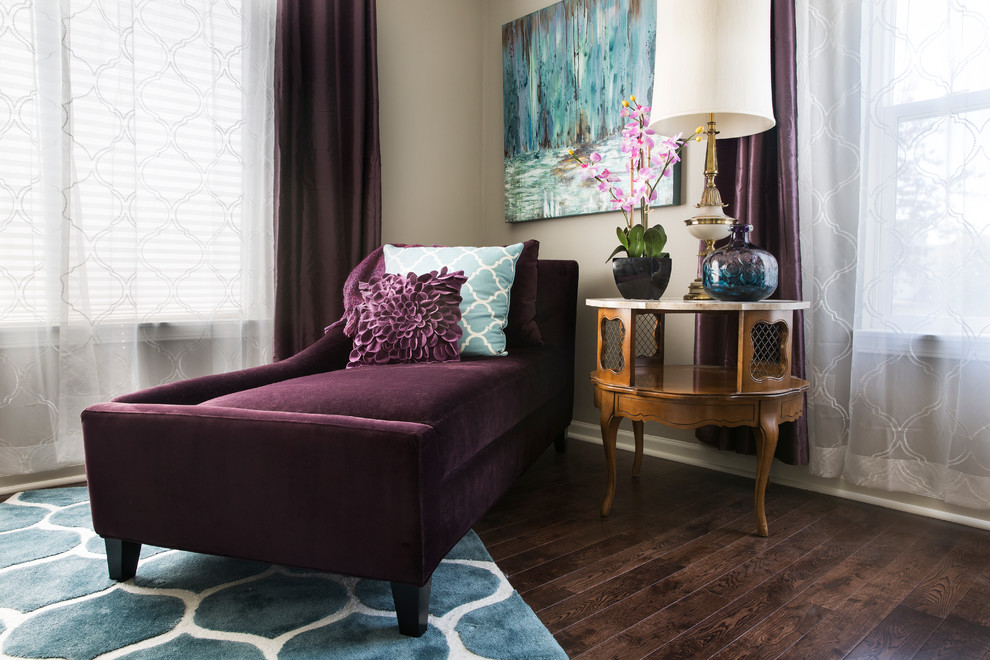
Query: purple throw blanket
[373, 264]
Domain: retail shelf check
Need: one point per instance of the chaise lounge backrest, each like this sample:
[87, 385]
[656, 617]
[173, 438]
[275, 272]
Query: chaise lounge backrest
[556, 310]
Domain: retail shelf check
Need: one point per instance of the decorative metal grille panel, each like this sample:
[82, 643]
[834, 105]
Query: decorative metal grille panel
[769, 359]
[613, 334]
[647, 344]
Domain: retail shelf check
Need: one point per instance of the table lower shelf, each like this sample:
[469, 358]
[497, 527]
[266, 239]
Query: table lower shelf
[649, 378]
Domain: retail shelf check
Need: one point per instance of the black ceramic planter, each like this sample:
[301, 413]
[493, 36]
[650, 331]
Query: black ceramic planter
[641, 277]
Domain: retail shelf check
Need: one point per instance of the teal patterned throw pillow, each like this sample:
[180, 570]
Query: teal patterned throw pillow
[490, 272]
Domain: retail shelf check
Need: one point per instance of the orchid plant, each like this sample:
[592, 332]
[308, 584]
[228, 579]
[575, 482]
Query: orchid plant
[650, 158]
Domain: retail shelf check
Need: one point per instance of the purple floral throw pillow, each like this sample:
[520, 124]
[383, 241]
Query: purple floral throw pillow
[407, 318]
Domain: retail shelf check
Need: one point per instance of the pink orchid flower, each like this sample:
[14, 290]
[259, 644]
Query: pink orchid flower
[648, 159]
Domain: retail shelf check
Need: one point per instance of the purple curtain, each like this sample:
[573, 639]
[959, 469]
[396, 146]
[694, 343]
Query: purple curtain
[327, 165]
[758, 179]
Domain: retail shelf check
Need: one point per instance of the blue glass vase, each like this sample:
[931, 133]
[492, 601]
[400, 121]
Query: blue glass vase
[740, 271]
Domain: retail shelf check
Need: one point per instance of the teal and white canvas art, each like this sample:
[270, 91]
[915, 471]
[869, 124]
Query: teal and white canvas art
[565, 72]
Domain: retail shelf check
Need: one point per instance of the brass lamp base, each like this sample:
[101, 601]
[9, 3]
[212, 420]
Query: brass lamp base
[696, 291]
[711, 224]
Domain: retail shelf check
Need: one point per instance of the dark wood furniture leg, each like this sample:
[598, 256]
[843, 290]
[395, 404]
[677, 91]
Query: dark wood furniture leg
[412, 607]
[638, 435]
[610, 428]
[560, 442]
[122, 558]
[766, 444]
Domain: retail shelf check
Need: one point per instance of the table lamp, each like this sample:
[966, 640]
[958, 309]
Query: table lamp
[712, 69]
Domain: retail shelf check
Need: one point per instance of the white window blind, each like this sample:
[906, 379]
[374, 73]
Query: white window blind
[122, 130]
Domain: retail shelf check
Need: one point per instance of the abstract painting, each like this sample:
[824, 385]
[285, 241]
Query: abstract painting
[565, 71]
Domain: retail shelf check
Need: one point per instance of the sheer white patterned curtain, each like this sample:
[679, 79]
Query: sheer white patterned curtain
[894, 111]
[136, 146]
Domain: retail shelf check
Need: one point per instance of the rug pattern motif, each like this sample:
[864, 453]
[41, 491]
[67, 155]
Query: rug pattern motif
[56, 598]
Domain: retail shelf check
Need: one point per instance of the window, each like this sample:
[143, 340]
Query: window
[927, 168]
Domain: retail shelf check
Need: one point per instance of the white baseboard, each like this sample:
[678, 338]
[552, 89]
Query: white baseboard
[63, 477]
[701, 455]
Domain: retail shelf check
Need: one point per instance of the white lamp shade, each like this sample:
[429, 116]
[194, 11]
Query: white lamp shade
[713, 56]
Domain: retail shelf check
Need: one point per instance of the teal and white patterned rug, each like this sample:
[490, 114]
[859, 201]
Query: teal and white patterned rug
[57, 601]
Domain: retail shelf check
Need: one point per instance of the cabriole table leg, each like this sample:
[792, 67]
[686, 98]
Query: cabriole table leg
[766, 445]
[610, 428]
[638, 435]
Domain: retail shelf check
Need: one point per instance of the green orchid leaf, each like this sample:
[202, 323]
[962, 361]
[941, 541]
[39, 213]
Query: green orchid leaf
[623, 239]
[623, 243]
[655, 238]
[617, 250]
[637, 244]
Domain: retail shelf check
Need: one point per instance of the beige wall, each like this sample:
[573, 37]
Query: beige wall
[429, 70]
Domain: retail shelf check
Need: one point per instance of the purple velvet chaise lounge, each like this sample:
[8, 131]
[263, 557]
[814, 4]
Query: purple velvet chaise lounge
[373, 472]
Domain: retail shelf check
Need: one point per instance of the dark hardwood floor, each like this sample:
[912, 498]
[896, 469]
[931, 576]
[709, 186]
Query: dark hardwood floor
[676, 570]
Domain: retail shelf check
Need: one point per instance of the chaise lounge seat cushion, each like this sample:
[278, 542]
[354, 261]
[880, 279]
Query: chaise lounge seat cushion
[474, 400]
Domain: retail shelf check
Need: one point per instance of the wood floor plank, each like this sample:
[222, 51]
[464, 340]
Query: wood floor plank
[681, 527]
[855, 573]
[854, 618]
[517, 539]
[535, 532]
[631, 626]
[674, 620]
[786, 626]
[957, 639]
[642, 549]
[763, 566]
[602, 550]
[625, 520]
[900, 634]
[951, 577]
[581, 606]
[759, 593]
[775, 634]
[975, 605]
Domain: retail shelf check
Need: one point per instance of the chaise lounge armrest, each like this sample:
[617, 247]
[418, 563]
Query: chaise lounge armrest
[219, 480]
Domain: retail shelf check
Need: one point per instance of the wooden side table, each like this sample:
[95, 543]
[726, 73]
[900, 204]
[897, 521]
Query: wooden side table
[631, 379]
